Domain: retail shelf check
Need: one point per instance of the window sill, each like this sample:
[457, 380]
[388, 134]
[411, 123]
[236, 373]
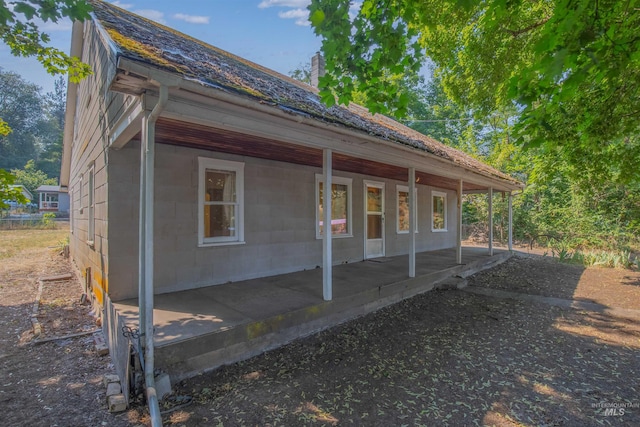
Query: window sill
[406, 232]
[440, 230]
[335, 236]
[210, 244]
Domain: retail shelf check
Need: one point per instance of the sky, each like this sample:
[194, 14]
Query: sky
[273, 33]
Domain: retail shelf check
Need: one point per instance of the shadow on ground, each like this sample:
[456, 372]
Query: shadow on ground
[442, 358]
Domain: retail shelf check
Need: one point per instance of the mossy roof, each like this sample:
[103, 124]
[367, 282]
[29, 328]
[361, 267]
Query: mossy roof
[143, 40]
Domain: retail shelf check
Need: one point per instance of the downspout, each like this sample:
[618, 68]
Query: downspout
[146, 248]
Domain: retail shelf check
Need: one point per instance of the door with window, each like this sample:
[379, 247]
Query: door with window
[374, 219]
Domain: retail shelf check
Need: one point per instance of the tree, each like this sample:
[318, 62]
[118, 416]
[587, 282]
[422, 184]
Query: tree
[7, 192]
[21, 106]
[31, 177]
[19, 30]
[52, 130]
[302, 73]
[571, 67]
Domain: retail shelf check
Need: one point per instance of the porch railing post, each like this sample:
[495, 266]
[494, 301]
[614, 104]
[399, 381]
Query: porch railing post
[412, 222]
[327, 284]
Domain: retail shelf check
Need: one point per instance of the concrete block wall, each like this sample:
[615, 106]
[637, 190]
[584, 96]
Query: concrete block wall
[279, 222]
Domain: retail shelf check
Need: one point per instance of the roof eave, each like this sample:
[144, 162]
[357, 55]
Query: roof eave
[135, 77]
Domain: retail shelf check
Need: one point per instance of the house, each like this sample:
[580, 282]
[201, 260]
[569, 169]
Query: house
[53, 198]
[25, 192]
[189, 167]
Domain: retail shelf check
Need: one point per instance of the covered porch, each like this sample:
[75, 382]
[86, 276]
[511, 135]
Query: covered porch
[201, 329]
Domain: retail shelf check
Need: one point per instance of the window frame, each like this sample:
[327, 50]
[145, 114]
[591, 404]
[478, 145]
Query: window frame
[340, 181]
[435, 193]
[207, 163]
[405, 189]
[91, 200]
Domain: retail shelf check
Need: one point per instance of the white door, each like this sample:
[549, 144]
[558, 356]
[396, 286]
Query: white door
[374, 219]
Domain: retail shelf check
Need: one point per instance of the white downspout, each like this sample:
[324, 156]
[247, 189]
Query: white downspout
[146, 249]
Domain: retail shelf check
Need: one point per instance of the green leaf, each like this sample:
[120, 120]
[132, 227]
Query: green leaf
[317, 18]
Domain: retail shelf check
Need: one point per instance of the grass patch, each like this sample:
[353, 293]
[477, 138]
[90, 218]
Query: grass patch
[18, 242]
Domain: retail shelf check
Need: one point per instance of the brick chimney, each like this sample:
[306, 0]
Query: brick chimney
[317, 68]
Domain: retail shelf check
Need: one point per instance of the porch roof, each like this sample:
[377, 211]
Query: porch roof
[143, 41]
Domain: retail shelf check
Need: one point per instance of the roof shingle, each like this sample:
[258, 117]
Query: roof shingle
[143, 40]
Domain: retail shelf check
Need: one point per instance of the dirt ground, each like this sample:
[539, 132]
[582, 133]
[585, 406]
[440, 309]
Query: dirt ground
[443, 358]
[54, 383]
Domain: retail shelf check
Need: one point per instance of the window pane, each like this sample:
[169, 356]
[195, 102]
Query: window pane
[403, 211]
[374, 226]
[220, 186]
[339, 209]
[438, 212]
[219, 220]
[374, 199]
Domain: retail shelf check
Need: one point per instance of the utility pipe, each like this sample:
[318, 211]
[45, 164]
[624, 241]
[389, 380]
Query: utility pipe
[146, 245]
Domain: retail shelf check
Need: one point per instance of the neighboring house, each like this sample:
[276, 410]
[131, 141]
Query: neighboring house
[231, 160]
[53, 198]
[25, 192]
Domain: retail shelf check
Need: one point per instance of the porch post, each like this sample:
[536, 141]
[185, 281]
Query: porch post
[490, 221]
[327, 257]
[412, 222]
[510, 221]
[459, 225]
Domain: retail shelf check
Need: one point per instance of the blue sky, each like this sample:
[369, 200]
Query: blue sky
[272, 33]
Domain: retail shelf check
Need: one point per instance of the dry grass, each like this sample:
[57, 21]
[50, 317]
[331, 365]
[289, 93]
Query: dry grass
[20, 243]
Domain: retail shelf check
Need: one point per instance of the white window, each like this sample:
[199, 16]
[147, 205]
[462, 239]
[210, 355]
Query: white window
[220, 202]
[340, 207]
[91, 226]
[438, 211]
[402, 223]
[81, 195]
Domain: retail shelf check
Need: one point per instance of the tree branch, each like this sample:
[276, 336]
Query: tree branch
[517, 33]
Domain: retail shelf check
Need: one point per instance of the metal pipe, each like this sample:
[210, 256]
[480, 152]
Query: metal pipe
[147, 212]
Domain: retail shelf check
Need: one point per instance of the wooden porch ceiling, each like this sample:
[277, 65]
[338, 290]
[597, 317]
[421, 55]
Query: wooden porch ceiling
[175, 132]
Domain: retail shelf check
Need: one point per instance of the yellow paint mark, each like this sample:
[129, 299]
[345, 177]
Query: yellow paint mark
[101, 282]
[257, 329]
[97, 291]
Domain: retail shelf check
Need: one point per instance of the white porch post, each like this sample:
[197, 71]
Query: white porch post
[459, 225]
[412, 222]
[327, 257]
[510, 221]
[490, 221]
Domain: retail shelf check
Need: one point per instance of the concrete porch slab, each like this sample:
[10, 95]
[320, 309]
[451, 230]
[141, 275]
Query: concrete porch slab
[201, 329]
